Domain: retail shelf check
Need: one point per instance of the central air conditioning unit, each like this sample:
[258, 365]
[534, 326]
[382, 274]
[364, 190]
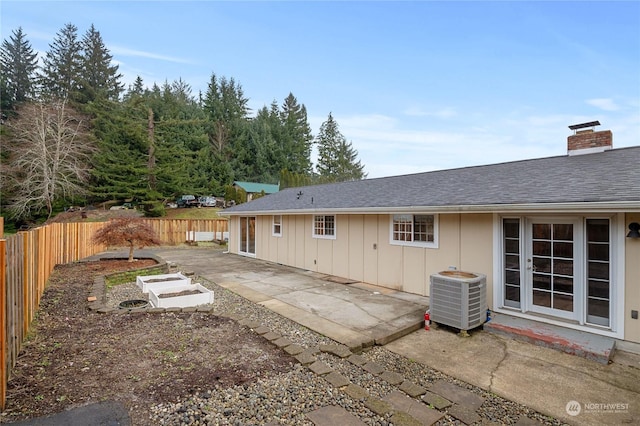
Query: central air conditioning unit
[458, 299]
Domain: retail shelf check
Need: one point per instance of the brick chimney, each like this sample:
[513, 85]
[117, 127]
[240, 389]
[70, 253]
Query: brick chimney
[586, 140]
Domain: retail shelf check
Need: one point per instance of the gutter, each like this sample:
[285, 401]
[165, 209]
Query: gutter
[588, 207]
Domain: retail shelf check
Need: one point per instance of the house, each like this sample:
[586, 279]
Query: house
[554, 236]
[252, 188]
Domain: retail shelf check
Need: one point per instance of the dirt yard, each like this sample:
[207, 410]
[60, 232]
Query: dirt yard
[74, 357]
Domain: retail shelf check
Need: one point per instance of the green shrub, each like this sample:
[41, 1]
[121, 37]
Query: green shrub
[154, 209]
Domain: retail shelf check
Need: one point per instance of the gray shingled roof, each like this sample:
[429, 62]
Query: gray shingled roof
[612, 176]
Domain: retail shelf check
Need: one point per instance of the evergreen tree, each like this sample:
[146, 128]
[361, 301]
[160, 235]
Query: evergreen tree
[99, 78]
[337, 159]
[297, 138]
[120, 166]
[18, 64]
[62, 65]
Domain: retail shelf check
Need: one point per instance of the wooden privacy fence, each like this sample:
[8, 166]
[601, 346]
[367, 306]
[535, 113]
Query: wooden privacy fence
[27, 260]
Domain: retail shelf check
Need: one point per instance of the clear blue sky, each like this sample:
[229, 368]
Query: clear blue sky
[414, 86]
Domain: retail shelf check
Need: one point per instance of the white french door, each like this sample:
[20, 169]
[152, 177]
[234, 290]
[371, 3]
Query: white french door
[553, 270]
[247, 235]
[559, 267]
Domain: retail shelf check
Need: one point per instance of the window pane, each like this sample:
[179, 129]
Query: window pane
[542, 264]
[563, 267]
[318, 225]
[599, 289]
[402, 227]
[512, 261]
[563, 250]
[512, 293]
[542, 231]
[542, 281]
[511, 228]
[563, 302]
[598, 308]
[330, 225]
[562, 231]
[542, 248]
[423, 228]
[599, 270]
[563, 284]
[512, 277]
[598, 251]
[598, 230]
[512, 246]
[542, 298]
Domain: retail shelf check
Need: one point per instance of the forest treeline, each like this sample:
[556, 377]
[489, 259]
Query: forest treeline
[72, 134]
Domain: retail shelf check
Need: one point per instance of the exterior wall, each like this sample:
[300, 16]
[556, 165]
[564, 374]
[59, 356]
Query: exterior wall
[361, 250]
[632, 283]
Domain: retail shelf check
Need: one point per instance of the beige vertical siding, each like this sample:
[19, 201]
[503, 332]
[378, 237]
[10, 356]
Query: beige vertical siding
[362, 252]
[632, 283]
[340, 248]
[370, 255]
[355, 253]
[234, 236]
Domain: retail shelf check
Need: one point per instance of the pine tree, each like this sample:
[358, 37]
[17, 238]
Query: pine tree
[18, 64]
[99, 78]
[336, 157]
[62, 65]
[297, 136]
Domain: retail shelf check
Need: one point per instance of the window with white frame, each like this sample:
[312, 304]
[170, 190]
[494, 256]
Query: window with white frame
[324, 226]
[277, 226]
[414, 230]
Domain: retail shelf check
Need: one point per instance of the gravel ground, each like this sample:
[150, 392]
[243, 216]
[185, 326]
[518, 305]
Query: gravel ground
[286, 398]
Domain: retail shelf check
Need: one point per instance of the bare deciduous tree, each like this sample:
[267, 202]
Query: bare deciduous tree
[49, 151]
[127, 231]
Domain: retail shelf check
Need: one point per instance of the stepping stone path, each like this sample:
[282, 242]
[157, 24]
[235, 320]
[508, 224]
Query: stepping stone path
[409, 405]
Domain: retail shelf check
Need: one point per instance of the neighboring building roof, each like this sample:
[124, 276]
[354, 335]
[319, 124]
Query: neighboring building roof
[251, 187]
[609, 179]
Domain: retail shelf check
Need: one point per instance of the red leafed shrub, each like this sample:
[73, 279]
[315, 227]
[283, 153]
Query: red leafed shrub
[127, 231]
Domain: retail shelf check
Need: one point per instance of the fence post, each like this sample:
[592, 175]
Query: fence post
[4, 368]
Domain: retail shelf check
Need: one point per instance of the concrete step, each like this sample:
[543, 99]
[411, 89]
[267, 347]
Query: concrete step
[586, 345]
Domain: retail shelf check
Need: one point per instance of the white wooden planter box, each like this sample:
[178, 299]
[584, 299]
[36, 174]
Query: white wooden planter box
[203, 297]
[161, 281]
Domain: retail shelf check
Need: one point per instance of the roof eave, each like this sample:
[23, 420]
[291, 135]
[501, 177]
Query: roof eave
[575, 207]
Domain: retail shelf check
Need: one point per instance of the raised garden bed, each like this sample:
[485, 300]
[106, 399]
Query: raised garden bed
[162, 281]
[182, 296]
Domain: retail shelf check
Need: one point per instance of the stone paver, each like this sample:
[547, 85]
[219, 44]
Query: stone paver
[392, 377]
[457, 394]
[357, 360]
[305, 358]
[400, 418]
[465, 414]
[332, 416]
[373, 368]
[436, 400]
[356, 392]
[263, 329]
[411, 389]
[320, 368]
[336, 379]
[281, 342]
[271, 336]
[294, 349]
[526, 421]
[415, 409]
[378, 406]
